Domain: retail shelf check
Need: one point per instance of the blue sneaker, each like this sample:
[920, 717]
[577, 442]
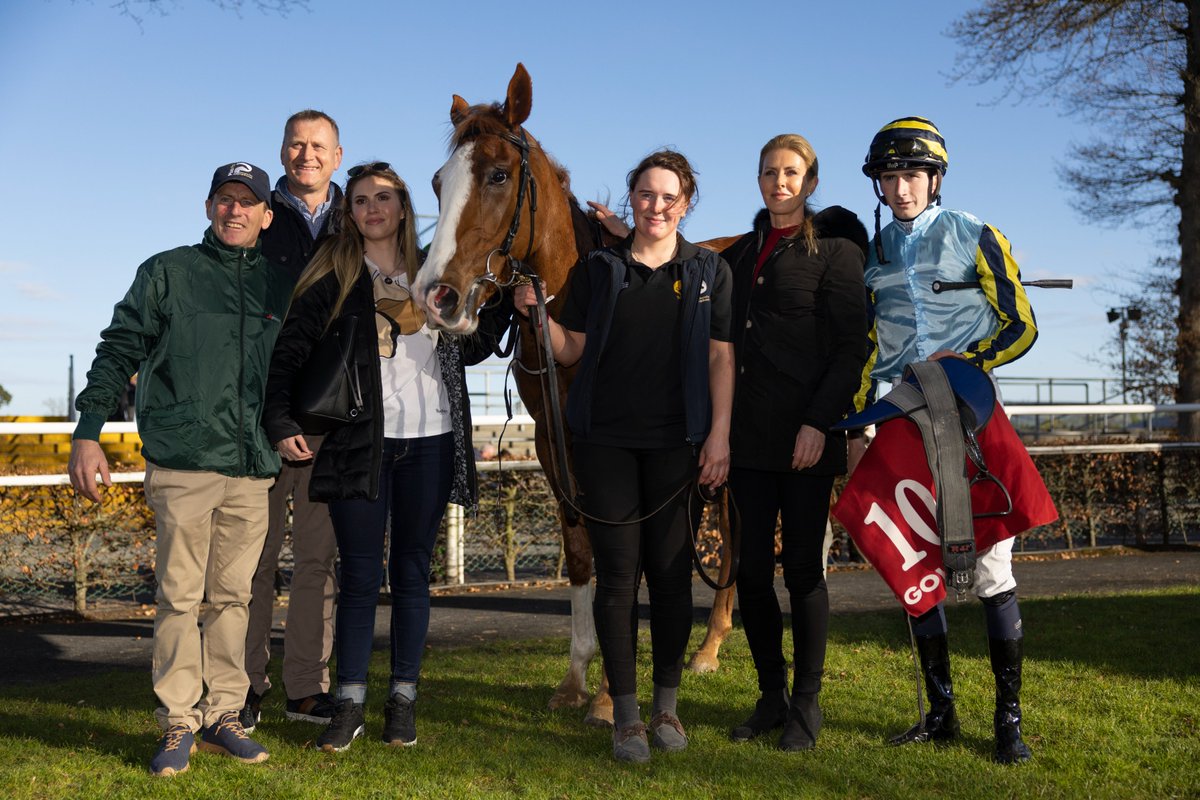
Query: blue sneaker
[227, 737]
[174, 750]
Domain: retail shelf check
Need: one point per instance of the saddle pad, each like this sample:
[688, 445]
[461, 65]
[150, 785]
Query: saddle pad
[889, 503]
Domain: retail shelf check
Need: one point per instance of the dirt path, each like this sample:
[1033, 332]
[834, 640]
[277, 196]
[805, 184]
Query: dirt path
[59, 650]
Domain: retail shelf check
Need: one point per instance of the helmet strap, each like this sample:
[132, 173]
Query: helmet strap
[878, 207]
[878, 239]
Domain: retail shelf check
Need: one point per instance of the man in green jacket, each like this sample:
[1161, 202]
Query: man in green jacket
[197, 326]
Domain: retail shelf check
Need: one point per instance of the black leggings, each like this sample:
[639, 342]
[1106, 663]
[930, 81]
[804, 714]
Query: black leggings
[619, 483]
[803, 502]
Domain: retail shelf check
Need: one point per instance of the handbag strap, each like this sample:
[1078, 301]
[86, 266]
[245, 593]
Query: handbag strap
[348, 330]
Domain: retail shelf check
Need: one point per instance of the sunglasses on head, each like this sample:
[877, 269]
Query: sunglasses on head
[375, 166]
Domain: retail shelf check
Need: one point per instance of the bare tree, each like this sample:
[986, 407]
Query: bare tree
[138, 10]
[1132, 68]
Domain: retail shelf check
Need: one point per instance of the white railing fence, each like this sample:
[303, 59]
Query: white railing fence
[455, 567]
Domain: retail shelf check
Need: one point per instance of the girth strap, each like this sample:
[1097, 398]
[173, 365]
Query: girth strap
[934, 408]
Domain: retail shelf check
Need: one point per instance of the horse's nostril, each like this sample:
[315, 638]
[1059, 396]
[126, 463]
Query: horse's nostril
[444, 298]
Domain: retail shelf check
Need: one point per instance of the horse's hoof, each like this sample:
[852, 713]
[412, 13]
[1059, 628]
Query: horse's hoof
[572, 698]
[703, 663]
[597, 722]
[600, 715]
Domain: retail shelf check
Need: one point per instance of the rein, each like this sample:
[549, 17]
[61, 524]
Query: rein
[520, 271]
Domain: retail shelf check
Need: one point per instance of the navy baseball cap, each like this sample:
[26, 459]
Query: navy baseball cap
[245, 173]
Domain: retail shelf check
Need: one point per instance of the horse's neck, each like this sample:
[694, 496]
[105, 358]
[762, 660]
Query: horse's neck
[557, 250]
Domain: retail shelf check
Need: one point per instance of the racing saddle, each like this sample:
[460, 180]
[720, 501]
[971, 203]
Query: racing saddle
[951, 401]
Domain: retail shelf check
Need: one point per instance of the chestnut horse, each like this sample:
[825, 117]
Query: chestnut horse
[501, 197]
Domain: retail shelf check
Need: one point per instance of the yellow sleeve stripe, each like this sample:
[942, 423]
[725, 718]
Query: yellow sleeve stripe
[866, 385]
[1000, 278]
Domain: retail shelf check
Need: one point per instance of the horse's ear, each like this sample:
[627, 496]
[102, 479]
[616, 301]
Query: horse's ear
[520, 97]
[458, 109]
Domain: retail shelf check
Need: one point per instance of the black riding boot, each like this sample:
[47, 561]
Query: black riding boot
[940, 723]
[1006, 666]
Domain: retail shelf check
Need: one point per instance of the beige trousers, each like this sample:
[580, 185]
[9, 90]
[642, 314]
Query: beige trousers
[210, 531]
[308, 635]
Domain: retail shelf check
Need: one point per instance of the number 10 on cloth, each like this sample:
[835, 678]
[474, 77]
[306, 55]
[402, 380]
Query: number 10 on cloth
[888, 506]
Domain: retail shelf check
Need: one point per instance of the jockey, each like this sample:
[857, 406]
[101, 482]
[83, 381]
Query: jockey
[988, 326]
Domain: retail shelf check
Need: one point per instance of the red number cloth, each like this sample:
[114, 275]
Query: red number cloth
[888, 506]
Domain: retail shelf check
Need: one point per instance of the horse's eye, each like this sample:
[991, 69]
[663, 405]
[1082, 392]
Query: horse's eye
[499, 177]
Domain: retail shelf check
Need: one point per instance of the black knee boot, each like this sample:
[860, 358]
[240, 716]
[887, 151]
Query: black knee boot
[1006, 666]
[940, 723]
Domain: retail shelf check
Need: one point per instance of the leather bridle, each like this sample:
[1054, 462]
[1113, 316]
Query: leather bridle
[526, 188]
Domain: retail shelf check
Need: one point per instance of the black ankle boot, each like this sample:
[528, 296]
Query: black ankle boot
[770, 712]
[803, 723]
[940, 723]
[1006, 666]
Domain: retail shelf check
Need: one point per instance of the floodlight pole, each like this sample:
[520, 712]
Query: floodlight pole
[1124, 315]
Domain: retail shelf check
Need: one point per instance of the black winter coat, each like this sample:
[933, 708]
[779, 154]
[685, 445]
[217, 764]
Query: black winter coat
[348, 461]
[288, 242]
[800, 338]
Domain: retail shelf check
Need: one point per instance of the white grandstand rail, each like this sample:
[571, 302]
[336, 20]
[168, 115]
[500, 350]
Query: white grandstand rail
[61, 427]
[131, 427]
[1100, 409]
[62, 479]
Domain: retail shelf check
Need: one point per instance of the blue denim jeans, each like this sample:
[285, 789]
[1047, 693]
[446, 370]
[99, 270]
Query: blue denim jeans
[414, 488]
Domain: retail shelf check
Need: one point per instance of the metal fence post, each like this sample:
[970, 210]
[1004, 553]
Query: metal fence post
[454, 545]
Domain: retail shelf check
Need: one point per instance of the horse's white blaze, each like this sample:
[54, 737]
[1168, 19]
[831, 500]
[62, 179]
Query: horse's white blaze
[456, 188]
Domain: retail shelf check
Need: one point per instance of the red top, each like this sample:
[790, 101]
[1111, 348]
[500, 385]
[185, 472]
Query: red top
[773, 238]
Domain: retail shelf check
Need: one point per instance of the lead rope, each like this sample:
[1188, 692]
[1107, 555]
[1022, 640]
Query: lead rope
[731, 535]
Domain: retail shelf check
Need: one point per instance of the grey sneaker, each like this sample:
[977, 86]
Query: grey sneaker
[666, 732]
[630, 744]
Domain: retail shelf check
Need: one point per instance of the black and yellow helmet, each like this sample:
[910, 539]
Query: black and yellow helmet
[906, 143]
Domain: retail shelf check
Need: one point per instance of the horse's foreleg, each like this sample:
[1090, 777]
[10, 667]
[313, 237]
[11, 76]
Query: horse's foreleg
[572, 690]
[720, 619]
[720, 623]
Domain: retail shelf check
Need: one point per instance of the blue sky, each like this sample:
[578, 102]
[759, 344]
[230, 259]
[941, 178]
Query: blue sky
[112, 131]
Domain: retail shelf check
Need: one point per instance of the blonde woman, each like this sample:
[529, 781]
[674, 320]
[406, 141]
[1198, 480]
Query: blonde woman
[799, 310]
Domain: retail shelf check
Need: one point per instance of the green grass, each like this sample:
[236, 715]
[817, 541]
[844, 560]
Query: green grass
[1112, 704]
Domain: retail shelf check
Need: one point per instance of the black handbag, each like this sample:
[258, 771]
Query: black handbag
[326, 393]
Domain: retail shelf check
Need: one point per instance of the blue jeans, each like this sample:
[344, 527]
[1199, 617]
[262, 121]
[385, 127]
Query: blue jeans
[414, 487]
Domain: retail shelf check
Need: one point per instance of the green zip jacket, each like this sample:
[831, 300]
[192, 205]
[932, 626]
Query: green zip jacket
[198, 326]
